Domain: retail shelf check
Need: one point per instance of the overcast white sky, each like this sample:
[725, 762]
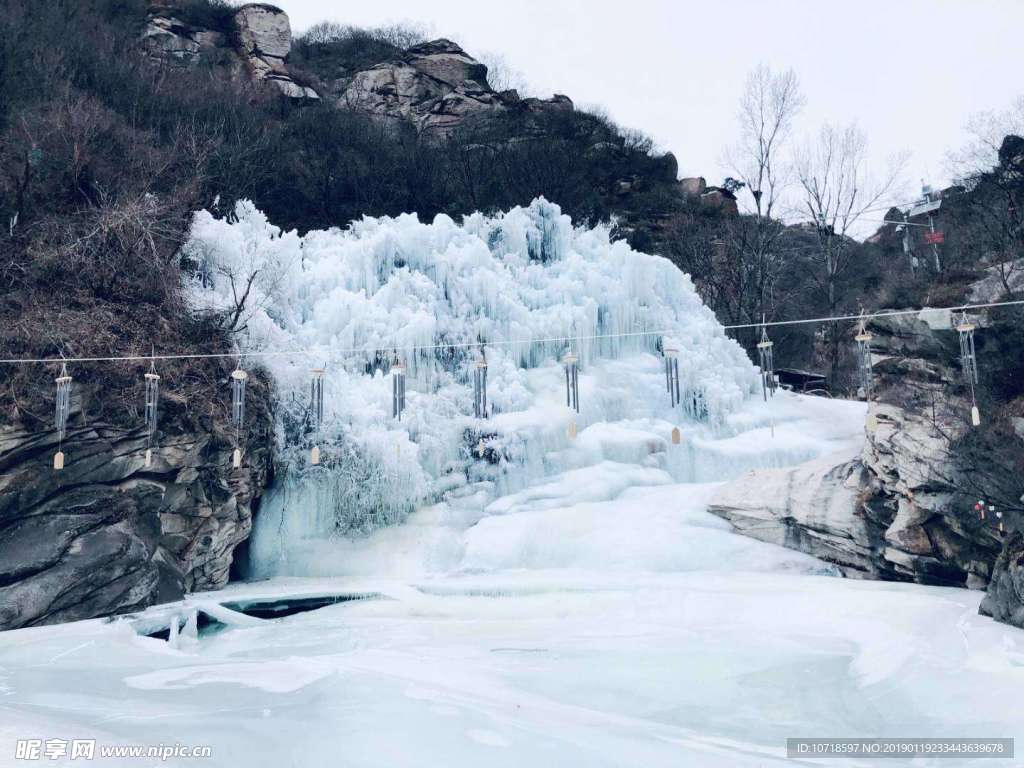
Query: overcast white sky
[909, 71]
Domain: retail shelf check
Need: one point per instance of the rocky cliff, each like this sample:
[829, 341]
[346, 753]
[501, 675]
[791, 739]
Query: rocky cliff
[108, 534]
[902, 509]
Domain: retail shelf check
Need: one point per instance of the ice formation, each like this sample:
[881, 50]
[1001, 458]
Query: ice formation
[432, 293]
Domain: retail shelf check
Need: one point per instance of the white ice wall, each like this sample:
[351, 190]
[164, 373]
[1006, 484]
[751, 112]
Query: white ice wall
[397, 283]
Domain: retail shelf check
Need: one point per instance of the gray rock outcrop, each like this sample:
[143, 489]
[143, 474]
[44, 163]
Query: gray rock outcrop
[255, 43]
[436, 87]
[107, 534]
[1005, 599]
[814, 508]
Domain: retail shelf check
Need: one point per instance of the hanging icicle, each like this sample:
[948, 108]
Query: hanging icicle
[969, 363]
[238, 379]
[480, 386]
[316, 410]
[672, 374]
[63, 408]
[867, 376]
[397, 388]
[766, 358]
[151, 403]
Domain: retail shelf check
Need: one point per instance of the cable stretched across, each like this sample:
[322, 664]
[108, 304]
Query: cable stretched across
[474, 344]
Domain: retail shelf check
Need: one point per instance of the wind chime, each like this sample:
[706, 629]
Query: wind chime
[999, 517]
[238, 379]
[672, 384]
[61, 414]
[969, 363]
[980, 509]
[316, 410]
[867, 376]
[766, 357]
[397, 388]
[672, 374]
[572, 386]
[480, 386]
[152, 399]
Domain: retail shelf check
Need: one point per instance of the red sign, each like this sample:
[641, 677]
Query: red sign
[934, 238]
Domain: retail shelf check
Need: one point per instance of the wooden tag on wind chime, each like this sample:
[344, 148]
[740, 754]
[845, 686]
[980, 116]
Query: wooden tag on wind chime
[571, 431]
[975, 416]
[676, 436]
[236, 459]
[314, 457]
[149, 457]
[58, 460]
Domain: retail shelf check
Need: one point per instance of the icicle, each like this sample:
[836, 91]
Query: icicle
[316, 410]
[152, 401]
[480, 386]
[867, 376]
[62, 410]
[672, 374]
[969, 363]
[766, 359]
[238, 379]
[397, 389]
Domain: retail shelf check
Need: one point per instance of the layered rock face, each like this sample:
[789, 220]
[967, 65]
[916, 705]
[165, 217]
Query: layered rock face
[814, 508]
[897, 510]
[255, 43]
[107, 534]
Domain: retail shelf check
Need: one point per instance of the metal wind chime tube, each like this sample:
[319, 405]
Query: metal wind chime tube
[151, 403]
[316, 410]
[672, 374]
[969, 363]
[63, 408]
[238, 379]
[867, 376]
[766, 358]
[480, 386]
[572, 386]
[397, 389]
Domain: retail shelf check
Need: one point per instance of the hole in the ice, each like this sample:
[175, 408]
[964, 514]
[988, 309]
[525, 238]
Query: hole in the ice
[205, 624]
[277, 608]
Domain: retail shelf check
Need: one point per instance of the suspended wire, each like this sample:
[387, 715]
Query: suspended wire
[505, 343]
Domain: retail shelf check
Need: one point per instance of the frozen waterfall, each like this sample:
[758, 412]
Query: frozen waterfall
[435, 292]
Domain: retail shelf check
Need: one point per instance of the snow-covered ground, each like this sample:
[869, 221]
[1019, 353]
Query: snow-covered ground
[599, 617]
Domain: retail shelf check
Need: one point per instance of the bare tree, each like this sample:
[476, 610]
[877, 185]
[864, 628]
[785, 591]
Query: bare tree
[837, 190]
[761, 161]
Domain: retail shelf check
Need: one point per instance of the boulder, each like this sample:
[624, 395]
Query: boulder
[256, 46]
[263, 31]
[693, 186]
